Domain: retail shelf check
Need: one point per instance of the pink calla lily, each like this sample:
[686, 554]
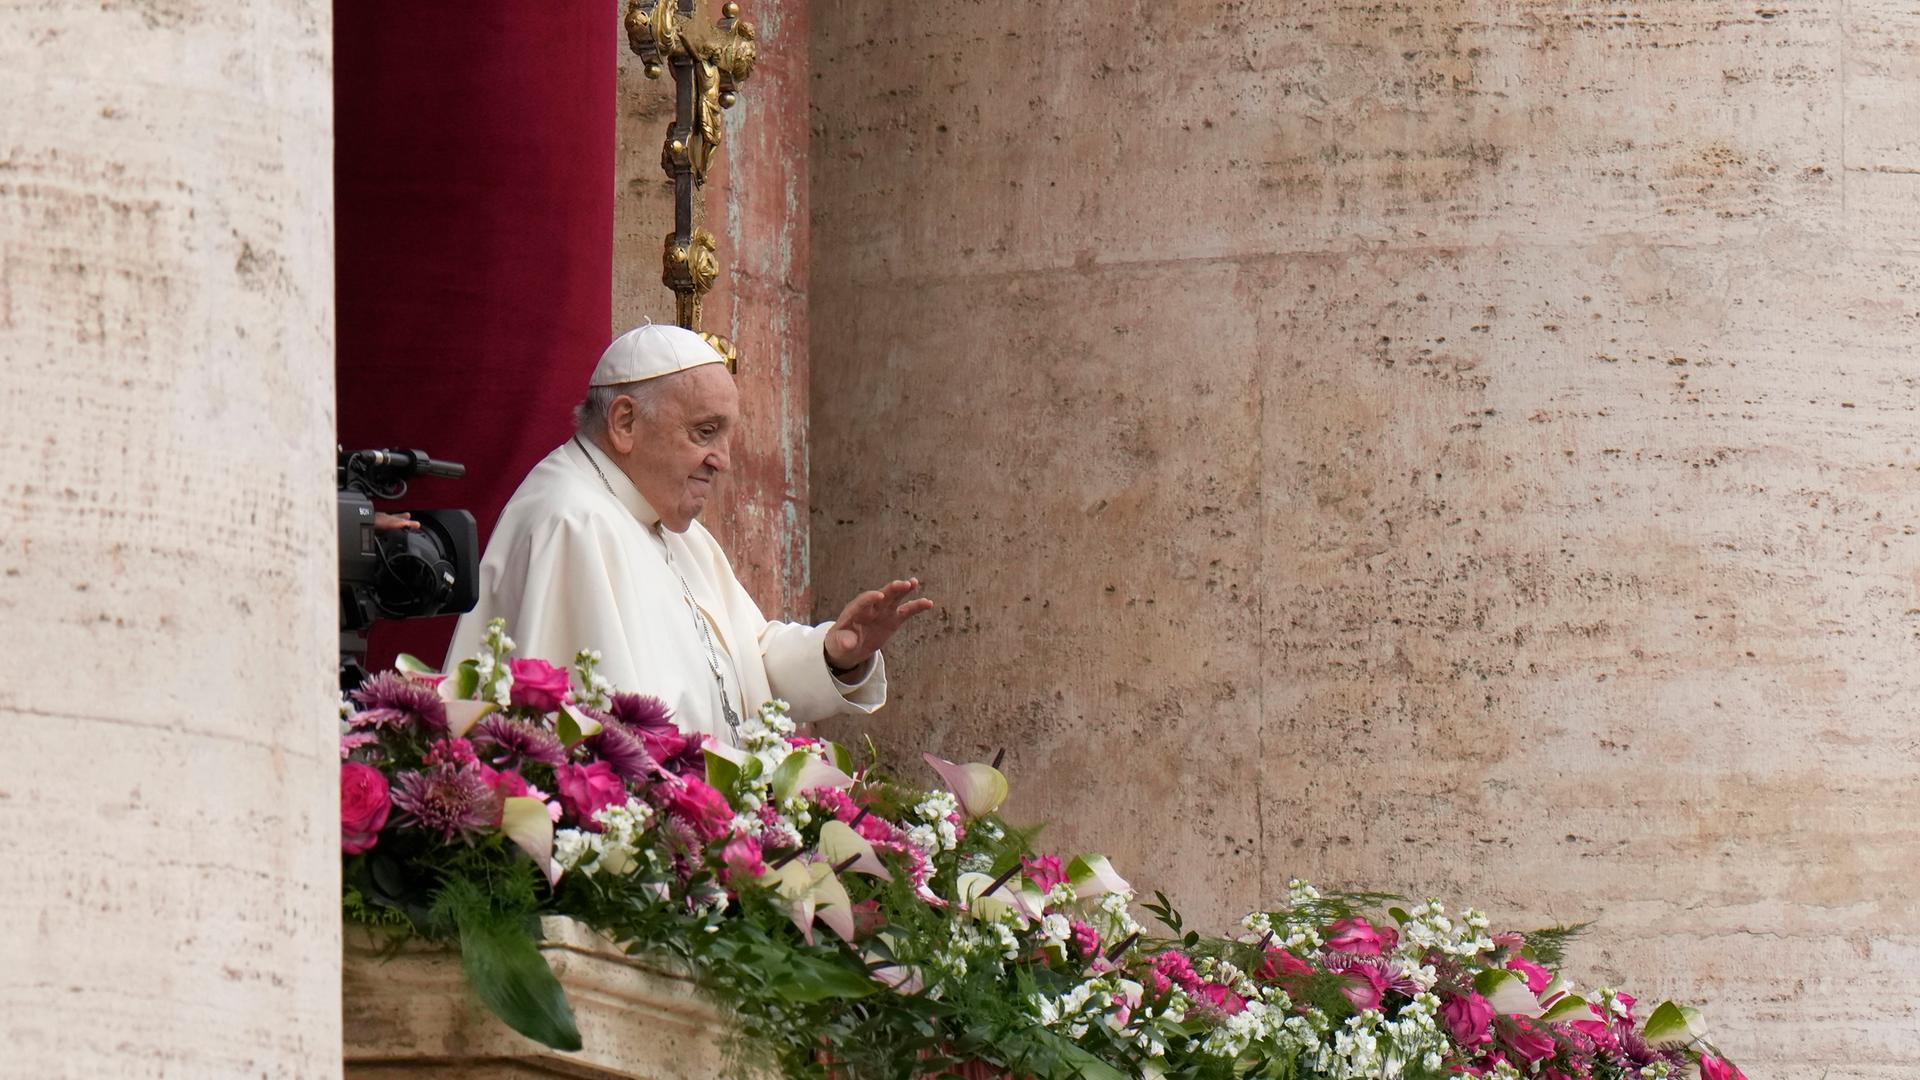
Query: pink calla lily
[981, 898]
[801, 772]
[813, 892]
[525, 821]
[462, 714]
[845, 848]
[980, 788]
[1093, 875]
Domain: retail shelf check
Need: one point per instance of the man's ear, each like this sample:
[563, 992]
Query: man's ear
[620, 425]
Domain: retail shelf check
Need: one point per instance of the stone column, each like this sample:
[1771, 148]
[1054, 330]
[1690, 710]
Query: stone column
[1458, 447]
[168, 789]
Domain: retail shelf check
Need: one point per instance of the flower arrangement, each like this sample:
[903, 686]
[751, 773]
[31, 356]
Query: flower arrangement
[857, 926]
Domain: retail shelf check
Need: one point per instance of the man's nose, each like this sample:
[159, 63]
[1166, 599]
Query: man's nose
[721, 457]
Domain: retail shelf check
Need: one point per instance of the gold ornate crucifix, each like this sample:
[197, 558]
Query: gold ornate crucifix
[709, 61]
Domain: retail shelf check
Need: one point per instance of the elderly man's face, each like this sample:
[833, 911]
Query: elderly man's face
[674, 455]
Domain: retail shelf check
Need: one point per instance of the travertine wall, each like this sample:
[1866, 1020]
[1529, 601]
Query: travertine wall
[755, 204]
[169, 791]
[1457, 447]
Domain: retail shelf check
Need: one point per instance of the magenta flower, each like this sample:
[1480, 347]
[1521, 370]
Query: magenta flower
[1044, 871]
[1469, 1018]
[1284, 968]
[587, 789]
[364, 804]
[622, 749]
[454, 752]
[538, 684]
[1537, 976]
[393, 700]
[355, 740]
[1086, 940]
[1357, 935]
[1172, 968]
[1221, 998]
[742, 858]
[515, 742]
[833, 801]
[702, 807]
[1527, 1038]
[506, 783]
[642, 713]
[1364, 986]
[1716, 1068]
[453, 802]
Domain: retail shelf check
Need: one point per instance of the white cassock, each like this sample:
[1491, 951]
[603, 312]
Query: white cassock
[572, 566]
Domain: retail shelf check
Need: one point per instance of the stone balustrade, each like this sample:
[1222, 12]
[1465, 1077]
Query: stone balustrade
[411, 1015]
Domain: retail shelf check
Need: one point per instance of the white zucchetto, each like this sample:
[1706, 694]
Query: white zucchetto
[650, 351]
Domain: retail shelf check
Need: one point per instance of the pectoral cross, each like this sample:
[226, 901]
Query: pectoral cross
[709, 61]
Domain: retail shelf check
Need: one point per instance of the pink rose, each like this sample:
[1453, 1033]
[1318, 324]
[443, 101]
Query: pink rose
[742, 856]
[1357, 935]
[587, 789]
[364, 805]
[1221, 997]
[703, 807]
[1468, 1018]
[538, 684]
[1283, 967]
[1713, 1068]
[1537, 976]
[1529, 1039]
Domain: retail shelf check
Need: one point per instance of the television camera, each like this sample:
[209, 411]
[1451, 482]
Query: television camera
[407, 565]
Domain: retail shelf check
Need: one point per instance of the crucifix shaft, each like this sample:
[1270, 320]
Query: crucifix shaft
[708, 62]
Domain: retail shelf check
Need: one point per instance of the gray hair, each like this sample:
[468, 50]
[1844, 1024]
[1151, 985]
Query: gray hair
[590, 416]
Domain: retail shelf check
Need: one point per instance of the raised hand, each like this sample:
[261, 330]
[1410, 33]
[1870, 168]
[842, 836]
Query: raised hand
[868, 622]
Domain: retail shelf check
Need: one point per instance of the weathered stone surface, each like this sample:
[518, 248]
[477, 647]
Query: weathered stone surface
[1460, 447]
[168, 794]
[411, 1014]
[755, 203]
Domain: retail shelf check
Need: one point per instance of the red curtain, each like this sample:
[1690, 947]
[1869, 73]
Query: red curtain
[474, 213]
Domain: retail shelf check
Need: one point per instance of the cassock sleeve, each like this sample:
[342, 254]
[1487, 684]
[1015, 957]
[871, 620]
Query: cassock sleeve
[795, 658]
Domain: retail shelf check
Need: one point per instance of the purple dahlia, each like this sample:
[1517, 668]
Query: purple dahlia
[453, 802]
[508, 742]
[390, 699]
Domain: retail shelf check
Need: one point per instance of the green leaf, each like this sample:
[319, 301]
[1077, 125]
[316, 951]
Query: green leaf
[841, 757]
[1399, 915]
[809, 979]
[507, 972]
[1087, 1066]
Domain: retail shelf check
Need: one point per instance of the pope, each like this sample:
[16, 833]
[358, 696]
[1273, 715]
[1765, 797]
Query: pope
[599, 549]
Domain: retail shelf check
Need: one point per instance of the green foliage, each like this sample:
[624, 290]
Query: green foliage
[502, 962]
[1549, 946]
